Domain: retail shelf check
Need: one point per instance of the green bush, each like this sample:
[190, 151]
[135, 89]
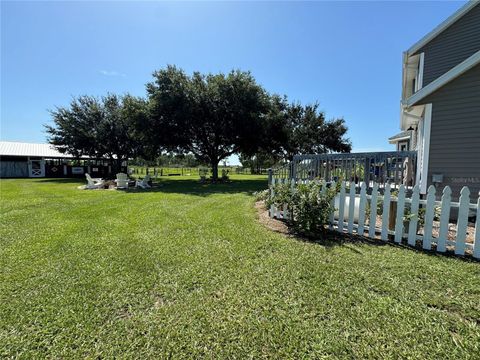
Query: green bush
[420, 215]
[308, 208]
[262, 195]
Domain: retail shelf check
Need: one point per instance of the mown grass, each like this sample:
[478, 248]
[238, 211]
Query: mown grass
[186, 271]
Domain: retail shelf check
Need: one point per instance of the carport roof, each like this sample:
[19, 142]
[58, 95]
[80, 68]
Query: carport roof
[11, 148]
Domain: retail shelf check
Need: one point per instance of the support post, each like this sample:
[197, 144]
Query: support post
[294, 169]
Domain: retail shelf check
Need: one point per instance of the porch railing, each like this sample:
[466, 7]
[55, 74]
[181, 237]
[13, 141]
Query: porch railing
[389, 167]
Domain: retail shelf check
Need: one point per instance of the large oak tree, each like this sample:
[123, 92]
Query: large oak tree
[211, 116]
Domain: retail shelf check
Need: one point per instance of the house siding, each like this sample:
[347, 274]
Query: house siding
[457, 43]
[455, 133]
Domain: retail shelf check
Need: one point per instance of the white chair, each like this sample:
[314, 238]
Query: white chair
[122, 181]
[143, 183]
[94, 183]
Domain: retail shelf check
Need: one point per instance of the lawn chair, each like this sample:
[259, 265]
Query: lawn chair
[122, 181]
[143, 183]
[94, 183]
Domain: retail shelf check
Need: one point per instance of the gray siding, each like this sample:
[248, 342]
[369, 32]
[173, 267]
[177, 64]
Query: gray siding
[452, 46]
[455, 132]
[13, 169]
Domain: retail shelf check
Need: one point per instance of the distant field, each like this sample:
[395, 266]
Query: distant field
[186, 171]
[186, 271]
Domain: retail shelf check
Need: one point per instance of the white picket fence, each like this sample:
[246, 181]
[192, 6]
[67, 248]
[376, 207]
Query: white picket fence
[352, 219]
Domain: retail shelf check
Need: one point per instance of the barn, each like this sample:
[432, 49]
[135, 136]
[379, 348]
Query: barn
[23, 160]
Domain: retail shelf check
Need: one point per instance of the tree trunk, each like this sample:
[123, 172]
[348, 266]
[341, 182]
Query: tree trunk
[117, 167]
[215, 170]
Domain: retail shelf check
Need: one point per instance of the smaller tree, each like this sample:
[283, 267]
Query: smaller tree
[312, 134]
[99, 127]
[257, 162]
[291, 128]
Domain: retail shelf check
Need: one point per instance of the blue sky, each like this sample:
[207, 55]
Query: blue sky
[345, 55]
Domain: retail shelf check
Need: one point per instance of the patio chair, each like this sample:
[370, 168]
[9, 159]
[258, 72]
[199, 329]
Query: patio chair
[94, 183]
[143, 183]
[122, 181]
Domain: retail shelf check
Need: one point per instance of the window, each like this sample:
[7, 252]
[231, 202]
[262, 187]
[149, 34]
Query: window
[418, 80]
[402, 146]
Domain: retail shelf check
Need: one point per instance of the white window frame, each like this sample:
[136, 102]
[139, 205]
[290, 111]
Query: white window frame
[423, 153]
[419, 77]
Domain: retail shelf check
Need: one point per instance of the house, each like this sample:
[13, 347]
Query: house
[440, 105]
[43, 160]
[403, 141]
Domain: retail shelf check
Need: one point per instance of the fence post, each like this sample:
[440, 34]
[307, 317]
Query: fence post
[429, 215]
[462, 221]
[373, 211]
[333, 185]
[399, 215]
[294, 168]
[341, 207]
[272, 194]
[386, 212]
[361, 209]
[351, 207]
[270, 176]
[476, 244]
[444, 219]
[413, 223]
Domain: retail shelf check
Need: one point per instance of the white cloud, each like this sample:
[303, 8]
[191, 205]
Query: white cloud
[112, 73]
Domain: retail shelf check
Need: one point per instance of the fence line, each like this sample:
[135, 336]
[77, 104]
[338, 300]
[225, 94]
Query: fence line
[394, 167]
[159, 171]
[401, 216]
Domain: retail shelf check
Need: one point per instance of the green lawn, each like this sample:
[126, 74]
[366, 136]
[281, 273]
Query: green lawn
[186, 271]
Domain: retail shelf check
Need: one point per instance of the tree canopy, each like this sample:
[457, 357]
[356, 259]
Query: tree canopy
[292, 128]
[99, 127]
[209, 116]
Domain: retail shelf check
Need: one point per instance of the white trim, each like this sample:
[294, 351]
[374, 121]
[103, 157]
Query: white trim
[394, 141]
[34, 173]
[419, 148]
[402, 143]
[419, 83]
[426, 147]
[444, 79]
[411, 117]
[444, 25]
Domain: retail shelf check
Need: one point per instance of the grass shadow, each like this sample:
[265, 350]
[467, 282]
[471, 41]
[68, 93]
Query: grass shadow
[183, 186]
[59, 180]
[194, 187]
[331, 239]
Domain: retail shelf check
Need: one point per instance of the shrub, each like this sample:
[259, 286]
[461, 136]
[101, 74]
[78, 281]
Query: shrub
[420, 215]
[262, 195]
[309, 208]
[408, 215]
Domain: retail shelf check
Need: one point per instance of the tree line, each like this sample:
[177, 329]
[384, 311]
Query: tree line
[208, 116]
